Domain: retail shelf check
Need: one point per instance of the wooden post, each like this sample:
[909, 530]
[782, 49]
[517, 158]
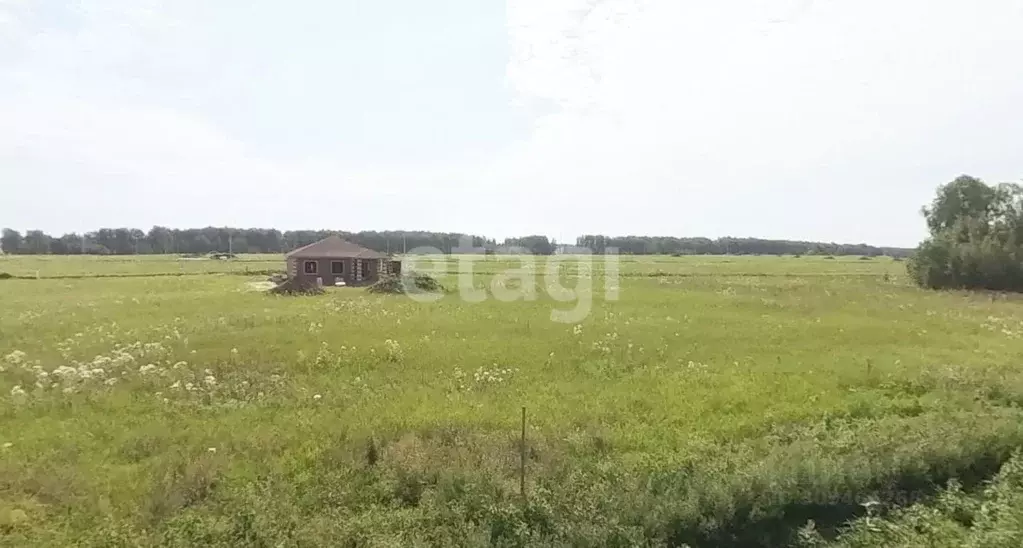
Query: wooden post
[522, 457]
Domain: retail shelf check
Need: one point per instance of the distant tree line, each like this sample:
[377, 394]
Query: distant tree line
[201, 241]
[162, 240]
[667, 245]
[976, 238]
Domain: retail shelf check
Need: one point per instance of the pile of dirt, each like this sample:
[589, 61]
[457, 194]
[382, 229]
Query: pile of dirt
[410, 283]
[296, 286]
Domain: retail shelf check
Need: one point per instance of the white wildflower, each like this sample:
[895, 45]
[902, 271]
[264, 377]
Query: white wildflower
[64, 372]
[110, 382]
[176, 385]
[146, 369]
[394, 352]
[210, 380]
[317, 396]
[8, 445]
[15, 358]
[212, 449]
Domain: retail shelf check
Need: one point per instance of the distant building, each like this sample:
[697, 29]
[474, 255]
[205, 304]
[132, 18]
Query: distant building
[333, 261]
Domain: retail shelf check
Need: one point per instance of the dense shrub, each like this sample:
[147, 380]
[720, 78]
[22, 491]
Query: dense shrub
[976, 238]
[991, 517]
[413, 282]
[5, 276]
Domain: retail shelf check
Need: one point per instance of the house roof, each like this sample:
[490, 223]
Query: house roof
[334, 247]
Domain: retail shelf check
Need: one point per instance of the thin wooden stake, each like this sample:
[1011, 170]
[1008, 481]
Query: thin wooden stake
[522, 457]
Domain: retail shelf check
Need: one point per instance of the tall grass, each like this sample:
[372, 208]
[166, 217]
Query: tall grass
[700, 409]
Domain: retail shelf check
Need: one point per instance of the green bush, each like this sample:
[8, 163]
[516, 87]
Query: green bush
[413, 282]
[991, 517]
[976, 238]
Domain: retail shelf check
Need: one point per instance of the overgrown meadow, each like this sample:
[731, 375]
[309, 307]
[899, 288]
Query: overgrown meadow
[719, 401]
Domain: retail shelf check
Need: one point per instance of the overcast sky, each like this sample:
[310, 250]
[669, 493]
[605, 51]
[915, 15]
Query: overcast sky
[804, 119]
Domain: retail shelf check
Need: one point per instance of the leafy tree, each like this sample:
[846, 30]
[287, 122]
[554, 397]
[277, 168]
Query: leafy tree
[976, 239]
[161, 240]
[537, 245]
[68, 244]
[11, 241]
[36, 243]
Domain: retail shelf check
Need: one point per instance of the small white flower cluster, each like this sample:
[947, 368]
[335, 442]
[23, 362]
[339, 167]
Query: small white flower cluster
[69, 378]
[207, 382]
[482, 377]
[577, 330]
[102, 370]
[1012, 330]
[14, 359]
[326, 358]
[360, 384]
[496, 375]
[606, 343]
[459, 378]
[394, 352]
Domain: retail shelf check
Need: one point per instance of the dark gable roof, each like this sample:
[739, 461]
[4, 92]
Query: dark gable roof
[334, 247]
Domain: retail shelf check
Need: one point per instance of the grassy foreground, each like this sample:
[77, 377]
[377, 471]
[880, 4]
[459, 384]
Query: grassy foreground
[720, 401]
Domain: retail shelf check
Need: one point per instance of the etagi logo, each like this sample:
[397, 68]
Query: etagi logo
[532, 275]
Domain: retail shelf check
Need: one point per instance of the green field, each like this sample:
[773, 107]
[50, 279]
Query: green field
[719, 401]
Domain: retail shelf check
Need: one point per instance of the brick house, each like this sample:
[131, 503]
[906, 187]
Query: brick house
[333, 261]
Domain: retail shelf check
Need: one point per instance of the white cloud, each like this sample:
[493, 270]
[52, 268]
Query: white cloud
[773, 118]
[787, 119]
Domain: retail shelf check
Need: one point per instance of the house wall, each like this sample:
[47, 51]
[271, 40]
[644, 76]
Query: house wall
[370, 271]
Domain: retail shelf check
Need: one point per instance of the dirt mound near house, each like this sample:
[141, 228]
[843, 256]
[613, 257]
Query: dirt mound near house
[296, 286]
[410, 283]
